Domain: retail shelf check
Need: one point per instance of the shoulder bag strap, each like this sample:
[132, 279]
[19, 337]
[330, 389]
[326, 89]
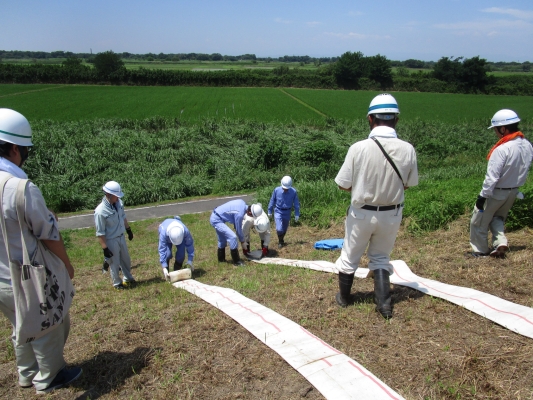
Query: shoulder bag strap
[21, 214]
[2, 219]
[388, 158]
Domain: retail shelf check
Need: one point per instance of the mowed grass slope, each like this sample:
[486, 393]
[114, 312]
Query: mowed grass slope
[158, 342]
[78, 102]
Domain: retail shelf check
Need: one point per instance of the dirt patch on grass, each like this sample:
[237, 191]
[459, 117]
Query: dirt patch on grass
[155, 341]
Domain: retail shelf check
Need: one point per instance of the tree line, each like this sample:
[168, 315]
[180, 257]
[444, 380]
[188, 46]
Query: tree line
[350, 71]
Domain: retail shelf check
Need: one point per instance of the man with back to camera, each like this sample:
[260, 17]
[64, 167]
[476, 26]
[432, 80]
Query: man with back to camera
[377, 196]
[174, 232]
[232, 212]
[509, 163]
[110, 220]
[40, 363]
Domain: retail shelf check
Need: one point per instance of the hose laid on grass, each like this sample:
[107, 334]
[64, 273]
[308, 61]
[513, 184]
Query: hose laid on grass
[332, 373]
[514, 317]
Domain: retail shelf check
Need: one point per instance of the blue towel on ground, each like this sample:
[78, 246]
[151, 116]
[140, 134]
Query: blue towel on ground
[329, 244]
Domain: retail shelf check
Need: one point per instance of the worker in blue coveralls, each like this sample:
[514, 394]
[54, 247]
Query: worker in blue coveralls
[174, 232]
[283, 198]
[232, 212]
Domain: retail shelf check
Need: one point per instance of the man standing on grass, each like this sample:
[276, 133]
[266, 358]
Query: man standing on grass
[40, 363]
[376, 171]
[283, 199]
[509, 163]
[110, 220]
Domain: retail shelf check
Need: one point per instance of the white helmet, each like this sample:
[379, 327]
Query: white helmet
[113, 188]
[256, 210]
[262, 223]
[286, 182]
[14, 128]
[504, 117]
[175, 233]
[382, 106]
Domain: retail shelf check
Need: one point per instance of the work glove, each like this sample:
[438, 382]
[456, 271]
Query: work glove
[107, 253]
[480, 203]
[105, 266]
[190, 265]
[296, 218]
[165, 272]
[264, 251]
[130, 233]
[269, 215]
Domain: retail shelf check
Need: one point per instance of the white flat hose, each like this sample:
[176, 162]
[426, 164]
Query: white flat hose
[332, 373]
[512, 316]
[180, 275]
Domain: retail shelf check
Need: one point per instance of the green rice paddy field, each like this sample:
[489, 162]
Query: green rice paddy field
[79, 102]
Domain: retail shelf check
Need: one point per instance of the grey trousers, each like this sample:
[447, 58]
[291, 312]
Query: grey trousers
[120, 260]
[492, 218]
[38, 362]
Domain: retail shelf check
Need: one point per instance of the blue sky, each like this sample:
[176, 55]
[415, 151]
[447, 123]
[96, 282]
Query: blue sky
[424, 30]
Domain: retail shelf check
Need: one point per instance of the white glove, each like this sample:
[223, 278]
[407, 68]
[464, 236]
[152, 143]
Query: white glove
[296, 218]
[165, 272]
[270, 215]
[244, 246]
[190, 265]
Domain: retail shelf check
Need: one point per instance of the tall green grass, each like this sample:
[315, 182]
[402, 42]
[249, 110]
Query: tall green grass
[158, 159]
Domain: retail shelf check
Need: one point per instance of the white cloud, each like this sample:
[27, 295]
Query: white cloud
[354, 35]
[355, 13]
[483, 27]
[314, 24]
[282, 21]
[520, 14]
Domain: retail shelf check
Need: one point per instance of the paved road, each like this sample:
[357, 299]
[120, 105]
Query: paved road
[164, 210]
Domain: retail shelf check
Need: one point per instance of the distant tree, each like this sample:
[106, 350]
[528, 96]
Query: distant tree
[349, 68]
[216, 57]
[526, 66]
[413, 63]
[72, 62]
[402, 71]
[468, 74]
[380, 71]
[108, 64]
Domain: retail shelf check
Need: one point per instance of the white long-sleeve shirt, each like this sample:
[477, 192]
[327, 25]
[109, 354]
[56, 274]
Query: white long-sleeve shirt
[508, 166]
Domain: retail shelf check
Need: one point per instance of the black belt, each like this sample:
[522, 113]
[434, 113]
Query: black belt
[284, 209]
[506, 188]
[381, 208]
[217, 214]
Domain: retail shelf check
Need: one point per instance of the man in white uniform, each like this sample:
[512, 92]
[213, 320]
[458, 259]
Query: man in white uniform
[509, 163]
[40, 363]
[110, 220]
[377, 195]
[262, 225]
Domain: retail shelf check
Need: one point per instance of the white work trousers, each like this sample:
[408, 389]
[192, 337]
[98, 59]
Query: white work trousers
[38, 362]
[376, 230]
[120, 260]
[493, 217]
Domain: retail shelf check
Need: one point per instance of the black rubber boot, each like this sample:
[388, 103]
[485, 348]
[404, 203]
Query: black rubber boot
[345, 288]
[235, 257]
[382, 296]
[221, 254]
[262, 243]
[178, 265]
[281, 241]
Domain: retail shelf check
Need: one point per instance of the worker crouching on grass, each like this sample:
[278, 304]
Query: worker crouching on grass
[509, 163]
[110, 220]
[174, 232]
[261, 225]
[232, 212]
[283, 199]
[376, 171]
